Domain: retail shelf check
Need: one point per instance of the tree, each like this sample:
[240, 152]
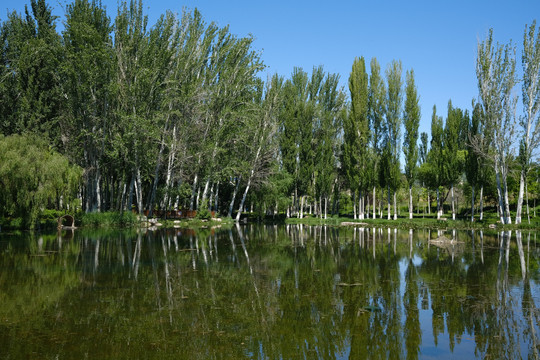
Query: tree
[32, 176]
[411, 120]
[264, 125]
[394, 100]
[331, 102]
[87, 75]
[357, 133]
[530, 124]
[453, 153]
[31, 59]
[431, 172]
[495, 70]
[377, 111]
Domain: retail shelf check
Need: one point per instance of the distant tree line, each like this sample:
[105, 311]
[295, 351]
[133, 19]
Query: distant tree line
[176, 116]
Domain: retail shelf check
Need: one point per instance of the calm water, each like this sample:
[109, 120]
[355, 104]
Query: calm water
[269, 292]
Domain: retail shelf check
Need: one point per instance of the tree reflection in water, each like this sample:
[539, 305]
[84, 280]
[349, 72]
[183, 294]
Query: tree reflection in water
[268, 292]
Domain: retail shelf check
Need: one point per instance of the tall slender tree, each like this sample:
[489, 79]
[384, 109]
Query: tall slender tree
[377, 111]
[411, 120]
[357, 132]
[495, 71]
[394, 102]
[530, 123]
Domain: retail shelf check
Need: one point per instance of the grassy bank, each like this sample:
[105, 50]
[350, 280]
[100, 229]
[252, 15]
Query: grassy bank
[418, 223]
[49, 221]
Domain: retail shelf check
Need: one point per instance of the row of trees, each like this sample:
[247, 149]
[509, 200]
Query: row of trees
[176, 116]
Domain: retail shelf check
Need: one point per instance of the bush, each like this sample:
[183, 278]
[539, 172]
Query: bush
[127, 218]
[203, 213]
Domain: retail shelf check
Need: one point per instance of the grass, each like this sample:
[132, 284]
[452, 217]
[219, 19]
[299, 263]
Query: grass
[107, 219]
[427, 222]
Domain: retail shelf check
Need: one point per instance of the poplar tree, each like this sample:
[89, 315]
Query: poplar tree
[394, 100]
[357, 133]
[411, 120]
[87, 83]
[530, 123]
[376, 114]
[453, 152]
[495, 71]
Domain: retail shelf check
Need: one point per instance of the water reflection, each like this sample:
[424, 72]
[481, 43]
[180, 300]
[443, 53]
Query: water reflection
[269, 292]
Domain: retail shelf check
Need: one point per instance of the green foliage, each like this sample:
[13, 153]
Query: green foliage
[356, 131]
[203, 213]
[32, 177]
[411, 120]
[106, 219]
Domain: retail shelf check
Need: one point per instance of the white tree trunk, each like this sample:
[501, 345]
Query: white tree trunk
[527, 201]
[410, 203]
[193, 193]
[354, 204]
[374, 199]
[472, 204]
[360, 209]
[438, 205]
[395, 205]
[520, 196]
[453, 203]
[428, 203]
[481, 202]
[231, 206]
[389, 216]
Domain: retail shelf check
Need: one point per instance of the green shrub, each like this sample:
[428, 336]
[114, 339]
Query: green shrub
[96, 219]
[203, 213]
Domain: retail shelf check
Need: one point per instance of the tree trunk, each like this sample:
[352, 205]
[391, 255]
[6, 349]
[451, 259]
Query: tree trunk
[453, 203]
[428, 203]
[472, 204]
[326, 207]
[520, 197]
[481, 202]
[239, 213]
[374, 199]
[410, 203]
[438, 205]
[302, 207]
[506, 202]
[360, 204]
[229, 214]
[395, 205]
[216, 198]
[389, 205]
[193, 193]
[527, 202]
[211, 197]
[500, 194]
[354, 204]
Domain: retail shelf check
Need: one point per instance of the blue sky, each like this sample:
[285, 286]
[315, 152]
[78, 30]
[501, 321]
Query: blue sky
[437, 39]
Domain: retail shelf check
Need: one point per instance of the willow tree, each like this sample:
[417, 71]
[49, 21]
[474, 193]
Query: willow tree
[530, 124]
[495, 71]
[394, 100]
[411, 120]
[357, 133]
[33, 177]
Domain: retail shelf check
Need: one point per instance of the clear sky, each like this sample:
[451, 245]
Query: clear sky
[437, 39]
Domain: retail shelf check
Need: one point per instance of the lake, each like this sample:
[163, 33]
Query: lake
[270, 292]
